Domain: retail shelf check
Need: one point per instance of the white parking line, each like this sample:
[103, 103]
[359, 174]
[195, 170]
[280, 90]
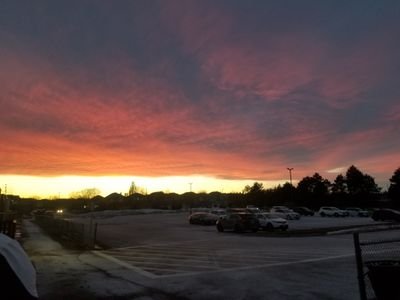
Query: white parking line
[124, 264]
[260, 266]
[169, 243]
[159, 261]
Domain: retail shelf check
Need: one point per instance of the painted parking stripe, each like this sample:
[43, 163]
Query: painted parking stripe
[262, 266]
[124, 264]
[174, 260]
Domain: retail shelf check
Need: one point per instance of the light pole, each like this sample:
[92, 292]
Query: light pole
[291, 185]
[290, 174]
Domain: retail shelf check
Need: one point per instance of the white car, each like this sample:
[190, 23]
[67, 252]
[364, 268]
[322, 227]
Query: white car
[288, 213]
[331, 211]
[270, 221]
[357, 212]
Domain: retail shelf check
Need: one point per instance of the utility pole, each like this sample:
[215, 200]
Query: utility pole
[290, 174]
[291, 185]
[190, 186]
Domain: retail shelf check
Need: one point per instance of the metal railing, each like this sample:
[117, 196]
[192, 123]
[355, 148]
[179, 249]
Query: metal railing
[378, 263]
[8, 224]
[76, 232]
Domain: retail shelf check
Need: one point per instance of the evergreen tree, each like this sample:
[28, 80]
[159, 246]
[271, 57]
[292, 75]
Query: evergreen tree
[315, 185]
[359, 183]
[394, 188]
[339, 185]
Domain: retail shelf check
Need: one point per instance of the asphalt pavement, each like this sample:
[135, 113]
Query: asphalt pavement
[173, 260]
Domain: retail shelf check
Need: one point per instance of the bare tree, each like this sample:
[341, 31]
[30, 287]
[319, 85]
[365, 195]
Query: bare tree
[85, 193]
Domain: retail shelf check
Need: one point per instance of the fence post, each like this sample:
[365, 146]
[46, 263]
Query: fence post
[360, 269]
[95, 235]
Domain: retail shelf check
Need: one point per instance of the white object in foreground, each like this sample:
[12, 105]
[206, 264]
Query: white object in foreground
[19, 262]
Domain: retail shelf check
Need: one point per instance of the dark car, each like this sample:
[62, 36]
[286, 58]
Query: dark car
[304, 211]
[238, 222]
[386, 214]
[203, 218]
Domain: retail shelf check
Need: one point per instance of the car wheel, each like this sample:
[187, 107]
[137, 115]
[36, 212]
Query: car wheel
[336, 214]
[322, 214]
[270, 227]
[220, 228]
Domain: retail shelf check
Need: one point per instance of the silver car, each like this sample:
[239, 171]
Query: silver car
[330, 211]
[357, 212]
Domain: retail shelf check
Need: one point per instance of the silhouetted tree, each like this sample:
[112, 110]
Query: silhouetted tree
[134, 189]
[316, 185]
[339, 185]
[257, 187]
[254, 194]
[394, 188]
[85, 193]
[354, 180]
[312, 190]
[359, 183]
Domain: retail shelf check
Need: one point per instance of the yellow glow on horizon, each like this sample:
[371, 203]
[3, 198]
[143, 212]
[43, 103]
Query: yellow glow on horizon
[63, 186]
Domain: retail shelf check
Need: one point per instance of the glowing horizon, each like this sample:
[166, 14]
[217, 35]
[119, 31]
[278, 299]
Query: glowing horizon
[63, 186]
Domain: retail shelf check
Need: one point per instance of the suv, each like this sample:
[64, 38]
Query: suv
[331, 211]
[238, 222]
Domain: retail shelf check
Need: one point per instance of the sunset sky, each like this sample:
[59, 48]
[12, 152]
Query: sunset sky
[208, 95]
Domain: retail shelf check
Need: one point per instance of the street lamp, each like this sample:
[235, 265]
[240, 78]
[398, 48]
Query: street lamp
[290, 174]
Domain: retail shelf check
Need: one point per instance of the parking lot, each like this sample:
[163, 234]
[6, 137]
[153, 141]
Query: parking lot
[198, 262]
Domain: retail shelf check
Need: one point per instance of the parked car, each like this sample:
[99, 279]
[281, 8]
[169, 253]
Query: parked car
[331, 211]
[238, 222]
[270, 221]
[253, 209]
[288, 213]
[279, 207]
[304, 211]
[386, 214]
[203, 218]
[357, 212]
[236, 210]
[218, 211]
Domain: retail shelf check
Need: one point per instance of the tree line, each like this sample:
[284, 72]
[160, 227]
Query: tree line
[353, 188]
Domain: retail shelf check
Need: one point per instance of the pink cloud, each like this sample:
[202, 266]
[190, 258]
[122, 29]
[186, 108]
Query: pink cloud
[132, 122]
[55, 126]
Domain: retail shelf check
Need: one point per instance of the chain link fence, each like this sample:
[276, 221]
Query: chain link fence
[80, 234]
[8, 224]
[378, 263]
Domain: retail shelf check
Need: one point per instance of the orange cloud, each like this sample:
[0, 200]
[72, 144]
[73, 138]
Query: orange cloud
[213, 98]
